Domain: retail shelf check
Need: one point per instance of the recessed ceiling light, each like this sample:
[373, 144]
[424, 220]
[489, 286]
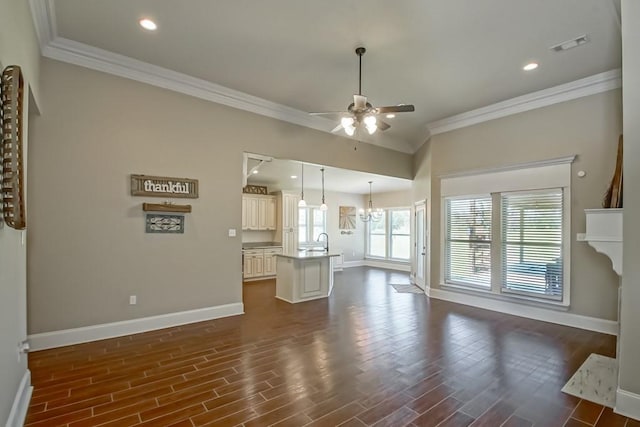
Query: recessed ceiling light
[530, 66]
[294, 176]
[390, 116]
[148, 24]
[254, 172]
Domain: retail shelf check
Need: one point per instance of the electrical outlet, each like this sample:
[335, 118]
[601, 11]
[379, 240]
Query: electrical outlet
[133, 300]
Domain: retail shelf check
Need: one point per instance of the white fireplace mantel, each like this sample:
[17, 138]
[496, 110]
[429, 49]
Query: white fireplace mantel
[604, 234]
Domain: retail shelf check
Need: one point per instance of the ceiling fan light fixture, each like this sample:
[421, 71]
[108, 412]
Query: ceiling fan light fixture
[371, 128]
[346, 122]
[370, 120]
[350, 130]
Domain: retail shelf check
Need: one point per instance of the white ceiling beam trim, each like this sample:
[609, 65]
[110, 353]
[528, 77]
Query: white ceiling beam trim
[592, 85]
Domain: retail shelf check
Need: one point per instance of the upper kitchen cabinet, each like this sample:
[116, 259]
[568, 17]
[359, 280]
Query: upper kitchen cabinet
[288, 220]
[258, 212]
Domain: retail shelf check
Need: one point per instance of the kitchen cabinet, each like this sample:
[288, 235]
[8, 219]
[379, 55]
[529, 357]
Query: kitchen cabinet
[259, 263]
[287, 229]
[270, 259]
[253, 264]
[258, 212]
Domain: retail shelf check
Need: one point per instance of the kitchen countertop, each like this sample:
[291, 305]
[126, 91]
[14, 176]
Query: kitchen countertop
[309, 255]
[261, 245]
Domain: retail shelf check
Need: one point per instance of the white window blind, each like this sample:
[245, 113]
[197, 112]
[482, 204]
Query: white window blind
[468, 241]
[532, 243]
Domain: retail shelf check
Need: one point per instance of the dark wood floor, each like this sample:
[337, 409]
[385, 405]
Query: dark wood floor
[365, 356]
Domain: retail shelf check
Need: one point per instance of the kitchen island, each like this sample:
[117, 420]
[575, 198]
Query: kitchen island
[304, 275]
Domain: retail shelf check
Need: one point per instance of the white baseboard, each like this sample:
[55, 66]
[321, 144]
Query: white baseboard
[18, 413]
[116, 329]
[349, 264]
[387, 265]
[537, 313]
[627, 404]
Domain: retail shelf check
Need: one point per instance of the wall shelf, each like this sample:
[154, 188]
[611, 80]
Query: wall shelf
[165, 207]
[604, 234]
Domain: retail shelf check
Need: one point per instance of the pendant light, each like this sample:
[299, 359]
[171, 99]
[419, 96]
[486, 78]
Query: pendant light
[323, 206]
[302, 203]
[370, 214]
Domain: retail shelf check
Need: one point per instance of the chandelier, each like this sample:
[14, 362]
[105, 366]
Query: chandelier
[371, 214]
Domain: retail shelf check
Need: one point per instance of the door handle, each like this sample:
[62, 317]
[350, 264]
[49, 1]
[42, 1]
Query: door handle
[424, 253]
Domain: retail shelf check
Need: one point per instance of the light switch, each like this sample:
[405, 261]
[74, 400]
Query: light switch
[232, 232]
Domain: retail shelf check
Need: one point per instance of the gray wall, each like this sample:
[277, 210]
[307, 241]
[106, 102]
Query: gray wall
[630, 315]
[88, 250]
[18, 46]
[588, 127]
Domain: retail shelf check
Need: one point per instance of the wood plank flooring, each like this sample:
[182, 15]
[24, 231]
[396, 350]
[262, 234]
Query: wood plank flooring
[365, 356]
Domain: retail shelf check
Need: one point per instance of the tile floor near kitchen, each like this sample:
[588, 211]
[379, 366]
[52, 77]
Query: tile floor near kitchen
[365, 356]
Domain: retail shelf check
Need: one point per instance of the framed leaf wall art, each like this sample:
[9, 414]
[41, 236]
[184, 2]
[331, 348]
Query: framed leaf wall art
[347, 219]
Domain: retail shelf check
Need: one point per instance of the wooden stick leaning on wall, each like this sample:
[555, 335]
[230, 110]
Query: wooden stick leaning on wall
[613, 196]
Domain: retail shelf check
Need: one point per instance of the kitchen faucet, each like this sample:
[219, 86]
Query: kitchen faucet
[327, 240]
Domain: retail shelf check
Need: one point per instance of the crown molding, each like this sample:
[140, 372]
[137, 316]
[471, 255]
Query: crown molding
[69, 51]
[592, 85]
[43, 15]
[512, 167]
[65, 50]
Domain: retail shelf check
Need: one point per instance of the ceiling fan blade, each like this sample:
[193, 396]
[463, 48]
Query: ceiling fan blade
[359, 102]
[337, 128]
[328, 113]
[396, 109]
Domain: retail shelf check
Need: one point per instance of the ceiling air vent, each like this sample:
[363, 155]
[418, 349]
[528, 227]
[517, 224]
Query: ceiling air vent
[570, 44]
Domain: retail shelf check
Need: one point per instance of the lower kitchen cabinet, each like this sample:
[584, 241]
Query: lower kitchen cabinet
[259, 263]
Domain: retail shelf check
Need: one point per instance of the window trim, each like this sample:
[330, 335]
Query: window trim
[527, 177]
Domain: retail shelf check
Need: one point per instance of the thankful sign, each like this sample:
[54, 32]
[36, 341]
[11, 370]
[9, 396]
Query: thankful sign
[163, 186]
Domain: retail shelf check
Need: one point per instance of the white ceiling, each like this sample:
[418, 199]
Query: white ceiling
[276, 175]
[445, 57]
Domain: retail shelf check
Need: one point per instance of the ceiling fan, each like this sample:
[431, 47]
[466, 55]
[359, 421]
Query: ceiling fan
[360, 111]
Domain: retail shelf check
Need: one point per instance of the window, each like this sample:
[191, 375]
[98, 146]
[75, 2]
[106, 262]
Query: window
[530, 249]
[532, 243]
[506, 231]
[311, 222]
[389, 238]
[400, 229]
[468, 241]
[377, 245]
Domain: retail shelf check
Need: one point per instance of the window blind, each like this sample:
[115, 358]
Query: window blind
[468, 241]
[532, 243]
